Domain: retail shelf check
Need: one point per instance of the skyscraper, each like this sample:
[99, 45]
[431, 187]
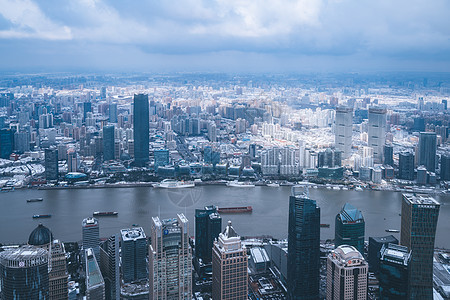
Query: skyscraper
[393, 275]
[388, 155]
[445, 167]
[229, 267]
[375, 245]
[161, 158]
[406, 166]
[418, 230]
[141, 129]
[208, 225]
[109, 266]
[58, 276]
[108, 142]
[24, 273]
[427, 150]
[343, 130]
[134, 254]
[377, 132]
[170, 259]
[51, 164]
[303, 247]
[91, 232]
[87, 107]
[6, 142]
[95, 285]
[347, 273]
[350, 228]
[113, 113]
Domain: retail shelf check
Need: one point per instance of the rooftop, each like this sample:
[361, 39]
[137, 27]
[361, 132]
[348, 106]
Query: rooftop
[420, 199]
[132, 234]
[93, 275]
[351, 214]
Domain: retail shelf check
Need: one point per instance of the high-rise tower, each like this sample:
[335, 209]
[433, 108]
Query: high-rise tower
[418, 230]
[109, 266]
[343, 130]
[170, 259]
[108, 142]
[208, 225]
[347, 273]
[427, 150]
[377, 132]
[303, 247]
[51, 164]
[134, 254]
[350, 228]
[24, 273]
[141, 129]
[393, 275]
[91, 235]
[229, 267]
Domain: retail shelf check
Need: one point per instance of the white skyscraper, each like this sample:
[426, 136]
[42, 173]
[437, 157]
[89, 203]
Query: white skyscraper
[377, 132]
[347, 273]
[343, 130]
[170, 259]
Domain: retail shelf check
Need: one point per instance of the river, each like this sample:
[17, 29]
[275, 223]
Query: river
[137, 205]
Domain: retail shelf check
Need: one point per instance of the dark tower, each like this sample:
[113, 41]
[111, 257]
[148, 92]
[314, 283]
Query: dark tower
[350, 228]
[418, 230]
[208, 225]
[303, 247]
[108, 142]
[389, 155]
[141, 129]
[51, 164]
[427, 150]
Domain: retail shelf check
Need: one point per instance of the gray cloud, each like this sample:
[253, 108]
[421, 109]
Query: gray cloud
[343, 34]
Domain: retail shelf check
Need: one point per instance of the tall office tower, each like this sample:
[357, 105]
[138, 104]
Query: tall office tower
[170, 259]
[418, 229]
[109, 266]
[377, 132]
[86, 109]
[72, 162]
[24, 273]
[343, 130]
[350, 228]
[208, 225]
[113, 113]
[91, 235]
[103, 92]
[229, 267]
[108, 142]
[141, 129]
[347, 273]
[445, 167]
[51, 164]
[388, 155]
[427, 150]
[6, 142]
[161, 158]
[58, 276]
[375, 245]
[252, 150]
[95, 285]
[445, 103]
[134, 254]
[393, 275]
[406, 166]
[303, 247]
[21, 141]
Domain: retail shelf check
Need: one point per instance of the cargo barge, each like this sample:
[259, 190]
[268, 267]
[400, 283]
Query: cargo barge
[105, 213]
[234, 210]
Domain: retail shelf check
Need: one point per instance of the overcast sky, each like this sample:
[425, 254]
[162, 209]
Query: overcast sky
[225, 35]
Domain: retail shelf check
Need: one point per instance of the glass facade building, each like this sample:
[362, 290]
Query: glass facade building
[170, 259]
[418, 230]
[303, 247]
[134, 254]
[91, 235]
[427, 150]
[350, 228]
[6, 142]
[377, 132]
[208, 225]
[344, 130]
[141, 129]
[24, 273]
[161, 158]
[108, 142]
[51, 164]
[393, 275]
[406, 166]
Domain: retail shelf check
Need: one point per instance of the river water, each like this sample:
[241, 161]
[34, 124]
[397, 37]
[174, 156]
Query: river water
[137, 205]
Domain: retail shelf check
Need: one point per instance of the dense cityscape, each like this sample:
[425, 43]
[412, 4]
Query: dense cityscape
[346, 136]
